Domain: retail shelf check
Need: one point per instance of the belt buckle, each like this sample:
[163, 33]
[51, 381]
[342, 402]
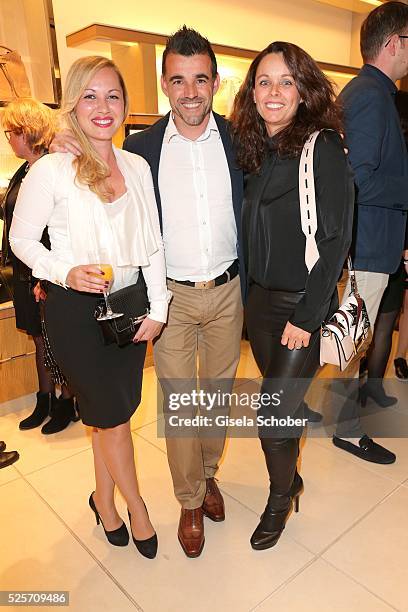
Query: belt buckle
[205, 284]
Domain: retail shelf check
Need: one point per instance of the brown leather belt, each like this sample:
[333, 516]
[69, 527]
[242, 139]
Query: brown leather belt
[223, 278]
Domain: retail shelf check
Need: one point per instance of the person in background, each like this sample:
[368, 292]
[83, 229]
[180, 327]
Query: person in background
[29, 129]
[103, 225]
[284, 99]
[375, 364]
[400, 361]
[378, 156]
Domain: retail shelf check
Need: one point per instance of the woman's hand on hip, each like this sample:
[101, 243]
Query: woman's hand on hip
[148, 330]
[294, 337]
[87, 278]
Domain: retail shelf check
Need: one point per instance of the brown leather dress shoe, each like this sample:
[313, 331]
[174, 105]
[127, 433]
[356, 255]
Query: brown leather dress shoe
[8, 458]
[191, 531]
[213, 504]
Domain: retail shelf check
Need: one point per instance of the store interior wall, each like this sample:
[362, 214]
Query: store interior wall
[355, 55]
[324, 31]
[328, 33]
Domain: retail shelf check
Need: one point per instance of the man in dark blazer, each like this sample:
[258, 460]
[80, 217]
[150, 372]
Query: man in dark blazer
[378, 155]
[199, 191]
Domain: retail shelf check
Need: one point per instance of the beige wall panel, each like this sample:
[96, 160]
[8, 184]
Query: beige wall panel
[18, 377]
[12, 341]
[324, 31]
[355, 55]
[138, 63]
[39, 45]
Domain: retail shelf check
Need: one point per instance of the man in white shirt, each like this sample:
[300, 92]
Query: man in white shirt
[199, 193]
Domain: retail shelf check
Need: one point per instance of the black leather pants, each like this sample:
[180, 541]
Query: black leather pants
[267, 313]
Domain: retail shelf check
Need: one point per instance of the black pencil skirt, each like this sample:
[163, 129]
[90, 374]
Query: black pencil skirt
[107, 380]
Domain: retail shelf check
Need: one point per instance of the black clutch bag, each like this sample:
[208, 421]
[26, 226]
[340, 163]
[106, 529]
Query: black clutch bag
[132, 301]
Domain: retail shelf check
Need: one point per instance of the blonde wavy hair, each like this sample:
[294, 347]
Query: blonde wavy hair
[31, 118]
[91, 169]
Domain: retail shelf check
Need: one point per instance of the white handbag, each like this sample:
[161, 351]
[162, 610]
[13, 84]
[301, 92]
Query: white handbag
[346, 335]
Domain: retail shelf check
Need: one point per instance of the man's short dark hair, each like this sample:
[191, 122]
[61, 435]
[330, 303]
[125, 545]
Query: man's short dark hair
[378, 27]
[187, 42]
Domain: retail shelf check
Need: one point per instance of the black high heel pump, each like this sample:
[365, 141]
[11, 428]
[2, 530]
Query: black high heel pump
[148, 547]
[117, 537]
[273, 522]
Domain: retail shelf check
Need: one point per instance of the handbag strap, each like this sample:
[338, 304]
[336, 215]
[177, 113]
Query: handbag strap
[307, 201]
[352, 275]
[308, 214]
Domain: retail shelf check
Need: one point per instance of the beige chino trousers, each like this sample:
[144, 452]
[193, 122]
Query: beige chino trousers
[203, 323]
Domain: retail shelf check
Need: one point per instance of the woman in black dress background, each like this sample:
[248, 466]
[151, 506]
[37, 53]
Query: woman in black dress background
[284, 99]
[29, 128]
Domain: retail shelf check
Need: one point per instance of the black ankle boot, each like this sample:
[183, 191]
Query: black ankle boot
[62, 413]
[281, 456]
[45, 403]
[273, 522]
[270, 527]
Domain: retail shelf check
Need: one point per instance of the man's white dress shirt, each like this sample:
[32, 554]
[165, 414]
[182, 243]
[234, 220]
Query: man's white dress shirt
[199, 229]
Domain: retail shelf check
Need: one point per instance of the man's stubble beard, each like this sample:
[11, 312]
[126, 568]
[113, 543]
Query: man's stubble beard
[193, 121]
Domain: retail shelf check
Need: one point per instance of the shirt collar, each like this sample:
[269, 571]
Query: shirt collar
[380, 76]
[172, 131]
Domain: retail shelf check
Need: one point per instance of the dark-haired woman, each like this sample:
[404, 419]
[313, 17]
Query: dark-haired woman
[284, 99]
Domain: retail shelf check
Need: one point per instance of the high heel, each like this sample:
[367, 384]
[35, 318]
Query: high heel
[377, 393]
[270, 527]
[117, 537]
[296, 490]
[273, 522]
[148, 547]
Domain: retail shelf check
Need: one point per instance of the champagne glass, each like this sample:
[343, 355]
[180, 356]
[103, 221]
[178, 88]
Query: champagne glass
[107, 270]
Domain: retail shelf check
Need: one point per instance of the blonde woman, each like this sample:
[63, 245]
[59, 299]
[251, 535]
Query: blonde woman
[29, 129]
[103, 199]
